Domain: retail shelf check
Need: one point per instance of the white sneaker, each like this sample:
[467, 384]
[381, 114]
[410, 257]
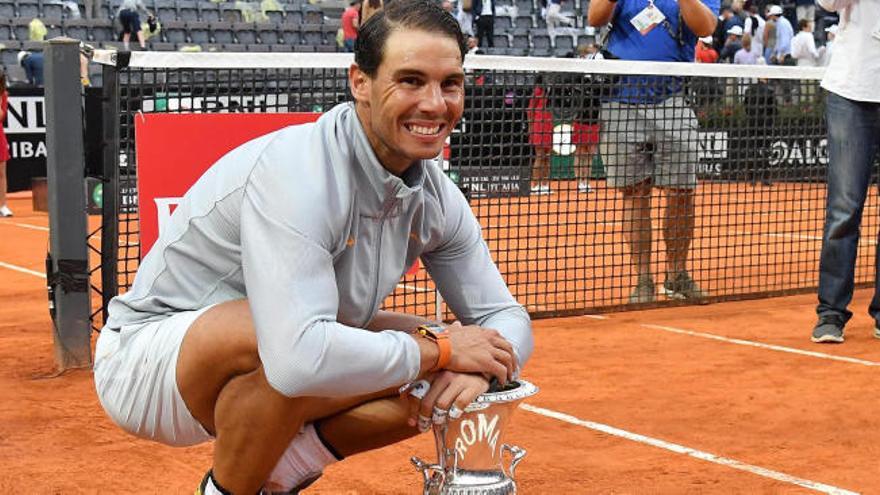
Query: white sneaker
[584, 187]
[541, 189]
[5, 211]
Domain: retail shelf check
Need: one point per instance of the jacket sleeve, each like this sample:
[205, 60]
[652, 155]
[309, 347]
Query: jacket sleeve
[291, 288]
[470, 282]
[834, 5]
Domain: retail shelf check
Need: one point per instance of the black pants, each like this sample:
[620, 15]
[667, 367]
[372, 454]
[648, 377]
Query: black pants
[486, 30]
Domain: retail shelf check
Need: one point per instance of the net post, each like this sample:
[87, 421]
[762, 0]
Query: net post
[67, 276]
[110, 205]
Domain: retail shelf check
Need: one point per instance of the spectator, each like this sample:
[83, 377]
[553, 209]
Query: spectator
[130, 19]
[745, 55]
[831, 33]
[649, 134]
[803, 46]
[852, 111]
[781, 54]
[769, 39]
[369, 8]
[4, 147]
[754, 26]
[484, 19]
[805, 10]
[705, 52]
[732, 45]
[759, 105]
[465, 17]
[729, 19]
[554, 17]
[32, 62]
[447, 6]
[350, 25]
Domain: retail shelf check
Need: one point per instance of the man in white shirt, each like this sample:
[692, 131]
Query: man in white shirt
[852, 110]
[803, 45]
[754, 25]
[830, 33]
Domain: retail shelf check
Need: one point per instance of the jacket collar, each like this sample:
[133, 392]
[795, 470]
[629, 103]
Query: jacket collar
[380, 187]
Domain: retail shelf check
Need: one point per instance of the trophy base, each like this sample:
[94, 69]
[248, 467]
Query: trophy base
[480, 483]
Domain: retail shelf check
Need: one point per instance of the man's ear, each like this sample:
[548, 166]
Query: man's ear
[359, 82]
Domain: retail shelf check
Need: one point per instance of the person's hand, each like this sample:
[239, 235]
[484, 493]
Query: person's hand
[449, 394]
[480, 350]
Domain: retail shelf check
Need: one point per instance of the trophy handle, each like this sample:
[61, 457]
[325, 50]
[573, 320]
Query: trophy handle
[517, 454]
[433, 474]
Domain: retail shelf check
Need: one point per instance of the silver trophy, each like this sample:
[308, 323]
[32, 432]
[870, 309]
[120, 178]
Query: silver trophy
[470, 451]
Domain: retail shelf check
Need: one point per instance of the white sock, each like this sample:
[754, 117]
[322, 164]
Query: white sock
[305, 457]
[211, 488]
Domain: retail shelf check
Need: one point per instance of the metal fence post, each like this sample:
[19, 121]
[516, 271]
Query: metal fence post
[68, 274]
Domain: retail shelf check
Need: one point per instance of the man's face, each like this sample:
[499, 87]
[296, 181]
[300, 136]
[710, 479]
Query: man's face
[416, 98]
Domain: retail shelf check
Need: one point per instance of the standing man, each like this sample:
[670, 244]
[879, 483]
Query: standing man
[781, 52]
[852, 110]
[803, 46]
[350, 25]
[649, 133]
[255, 319]
[484, 15]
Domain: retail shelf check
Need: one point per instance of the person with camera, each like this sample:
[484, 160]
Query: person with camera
[649, 132]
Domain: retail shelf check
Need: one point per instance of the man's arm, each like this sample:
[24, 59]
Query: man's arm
[469, 280]
[600, 12]
[698, 17]
[834, 5]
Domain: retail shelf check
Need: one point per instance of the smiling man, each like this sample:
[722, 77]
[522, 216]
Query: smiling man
[255, 322]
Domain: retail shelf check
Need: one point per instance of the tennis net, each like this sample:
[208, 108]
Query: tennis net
[557, 158]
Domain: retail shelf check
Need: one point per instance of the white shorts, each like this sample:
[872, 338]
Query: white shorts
[136, 379]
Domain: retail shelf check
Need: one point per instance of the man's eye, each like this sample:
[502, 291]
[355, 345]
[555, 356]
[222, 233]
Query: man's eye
[411, 81]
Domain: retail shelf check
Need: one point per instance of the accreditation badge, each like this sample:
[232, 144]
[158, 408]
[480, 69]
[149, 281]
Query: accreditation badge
[648, 18]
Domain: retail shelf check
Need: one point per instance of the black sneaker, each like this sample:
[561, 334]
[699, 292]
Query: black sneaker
[681, 286]
[829, 329]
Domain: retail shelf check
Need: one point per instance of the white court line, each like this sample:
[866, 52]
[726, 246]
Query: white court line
[800, 237]
[680, 449]
[414, 288]
[784, 236]
[596, 317]
[30, 226]
[22, 270]
[771, 347]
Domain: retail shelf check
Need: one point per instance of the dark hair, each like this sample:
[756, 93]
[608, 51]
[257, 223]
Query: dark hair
[425, 15]
[802, 24]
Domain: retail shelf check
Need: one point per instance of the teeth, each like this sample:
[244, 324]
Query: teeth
[427, 131]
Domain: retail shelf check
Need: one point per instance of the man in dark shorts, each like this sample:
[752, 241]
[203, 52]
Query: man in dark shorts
[130, 19]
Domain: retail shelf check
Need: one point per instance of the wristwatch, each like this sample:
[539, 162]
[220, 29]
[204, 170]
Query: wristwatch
[437, 334]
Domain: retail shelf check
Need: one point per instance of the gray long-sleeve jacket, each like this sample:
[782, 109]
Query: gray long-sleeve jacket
[310, 228]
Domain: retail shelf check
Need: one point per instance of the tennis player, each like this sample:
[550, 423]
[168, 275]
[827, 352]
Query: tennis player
[254, 320]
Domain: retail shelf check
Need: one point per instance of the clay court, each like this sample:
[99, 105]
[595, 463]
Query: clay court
[722, 398]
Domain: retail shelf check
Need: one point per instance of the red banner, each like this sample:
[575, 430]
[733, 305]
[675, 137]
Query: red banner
[174, 150]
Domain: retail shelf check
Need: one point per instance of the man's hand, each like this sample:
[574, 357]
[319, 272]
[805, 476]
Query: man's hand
[449, 395]
[480, 350]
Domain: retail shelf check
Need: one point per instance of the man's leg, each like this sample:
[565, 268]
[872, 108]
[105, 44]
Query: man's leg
[222, 383]
[852, 134]
[678, 228]
[637, 231]
[541, 171]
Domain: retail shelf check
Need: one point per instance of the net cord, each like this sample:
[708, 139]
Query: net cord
[188, 60]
